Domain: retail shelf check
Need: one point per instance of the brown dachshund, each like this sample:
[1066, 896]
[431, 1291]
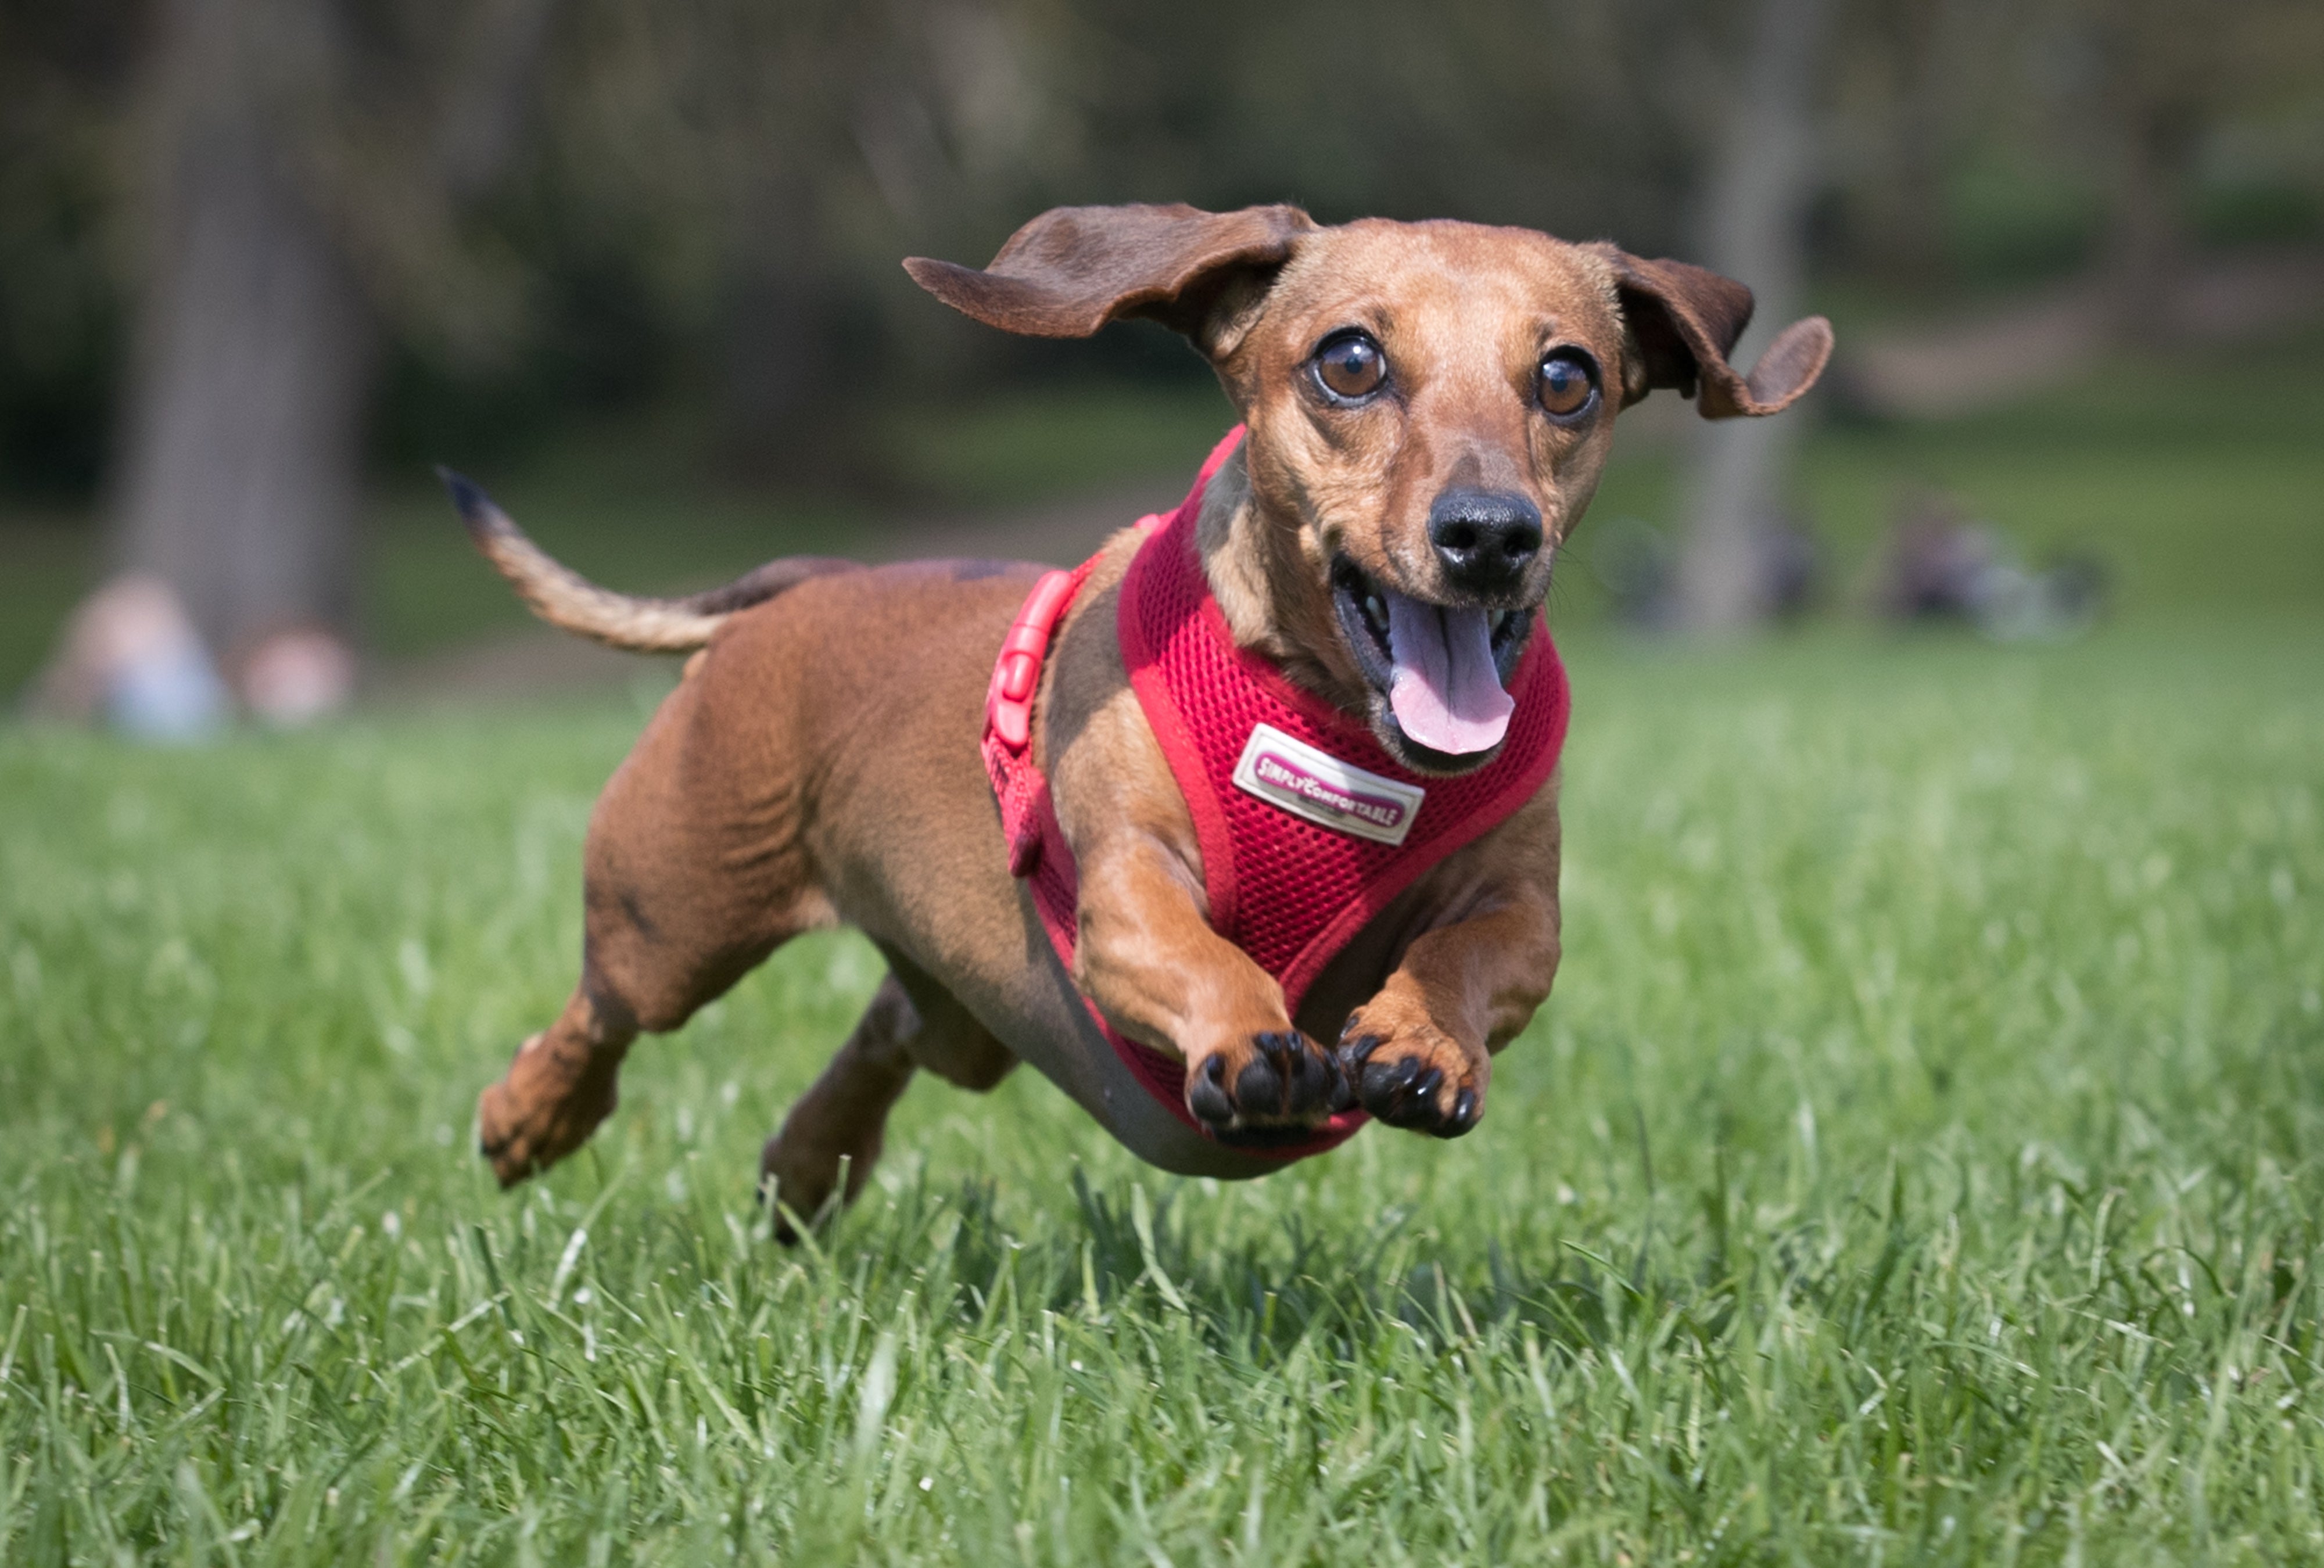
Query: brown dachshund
[1429, 406]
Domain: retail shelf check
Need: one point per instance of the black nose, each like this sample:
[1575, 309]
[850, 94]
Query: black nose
[1485, 538]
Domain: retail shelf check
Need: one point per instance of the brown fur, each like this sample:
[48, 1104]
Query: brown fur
[818, 762]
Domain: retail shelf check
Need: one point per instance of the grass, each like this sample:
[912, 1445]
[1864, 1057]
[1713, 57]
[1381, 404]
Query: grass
[1918, 1162]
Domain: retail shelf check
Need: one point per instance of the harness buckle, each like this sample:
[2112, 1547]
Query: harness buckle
[1017, 673]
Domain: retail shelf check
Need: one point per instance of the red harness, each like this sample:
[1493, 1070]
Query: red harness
[1308, 828]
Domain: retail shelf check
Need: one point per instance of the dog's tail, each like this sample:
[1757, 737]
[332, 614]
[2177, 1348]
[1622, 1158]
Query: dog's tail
[566, 600]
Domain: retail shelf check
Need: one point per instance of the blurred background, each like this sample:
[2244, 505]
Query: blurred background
[632, 264]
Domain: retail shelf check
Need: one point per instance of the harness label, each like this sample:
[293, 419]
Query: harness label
[1295, 776]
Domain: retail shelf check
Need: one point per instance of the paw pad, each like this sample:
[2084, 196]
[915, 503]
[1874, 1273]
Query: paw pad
[1285, 1079]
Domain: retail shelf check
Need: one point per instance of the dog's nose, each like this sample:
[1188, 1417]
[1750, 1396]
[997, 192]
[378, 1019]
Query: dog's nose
[1485, 538]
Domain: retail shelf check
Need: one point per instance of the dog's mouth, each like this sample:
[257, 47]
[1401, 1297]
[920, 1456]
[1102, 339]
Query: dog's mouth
[1438, 673]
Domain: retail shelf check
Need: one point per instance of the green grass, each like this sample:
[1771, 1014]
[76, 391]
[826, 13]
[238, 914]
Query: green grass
[48, 560]
[1917, 1162]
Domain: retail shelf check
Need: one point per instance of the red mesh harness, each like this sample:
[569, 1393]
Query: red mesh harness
[1290, 890]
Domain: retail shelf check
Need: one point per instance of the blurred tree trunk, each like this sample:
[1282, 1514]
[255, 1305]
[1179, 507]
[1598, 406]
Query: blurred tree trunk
[2150, 109]
[1763, 178]
[255, 349]
[289, 138]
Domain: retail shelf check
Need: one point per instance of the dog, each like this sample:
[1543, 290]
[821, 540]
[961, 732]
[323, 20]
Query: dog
[1426, 409]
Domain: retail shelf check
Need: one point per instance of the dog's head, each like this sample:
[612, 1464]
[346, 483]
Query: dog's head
[1429, 405]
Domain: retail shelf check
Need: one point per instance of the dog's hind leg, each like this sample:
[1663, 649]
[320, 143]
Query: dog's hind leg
[561, 1084]
[693, 873]
[911, 1023]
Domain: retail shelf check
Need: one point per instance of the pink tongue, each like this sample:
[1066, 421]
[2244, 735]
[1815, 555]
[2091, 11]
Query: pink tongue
[1444, 691]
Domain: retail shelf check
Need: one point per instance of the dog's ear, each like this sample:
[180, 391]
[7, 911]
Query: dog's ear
[1685, 319]
[1073, 269]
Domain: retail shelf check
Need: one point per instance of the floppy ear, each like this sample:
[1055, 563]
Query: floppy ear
[1686, 320]
[1073, 269]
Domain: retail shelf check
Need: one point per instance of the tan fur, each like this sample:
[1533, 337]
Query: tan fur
[820, 761]
[564, 598]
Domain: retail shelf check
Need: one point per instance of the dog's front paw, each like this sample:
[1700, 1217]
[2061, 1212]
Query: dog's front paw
[1408, 1072]
[1264, 1088]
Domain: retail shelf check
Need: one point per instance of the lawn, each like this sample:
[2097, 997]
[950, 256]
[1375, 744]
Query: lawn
[1917, 1161]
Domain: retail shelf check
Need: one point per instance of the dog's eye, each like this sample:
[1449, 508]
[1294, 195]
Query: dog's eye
[1567, 383]
[1351, 366]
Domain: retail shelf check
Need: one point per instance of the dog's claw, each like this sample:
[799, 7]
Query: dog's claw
[1286, 1082]
[1206, 1096]
[1406, 1092]
[1464, 1115]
